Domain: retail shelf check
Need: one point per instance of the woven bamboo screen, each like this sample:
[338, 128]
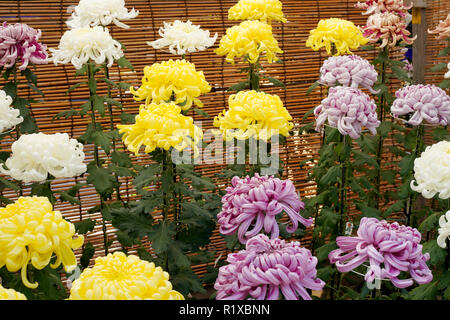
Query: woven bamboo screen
[300, 70]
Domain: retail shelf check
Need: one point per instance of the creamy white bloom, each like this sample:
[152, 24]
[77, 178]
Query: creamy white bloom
[9, 117]
[444, 230]
[447, 75]
[81, 44]
[36, 155]
[183, 37]
[432, 171]
[100, 12]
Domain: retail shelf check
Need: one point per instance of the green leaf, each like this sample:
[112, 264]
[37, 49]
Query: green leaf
[66, 114]
[64, 196]
[437, 254]
[36, 89]
[123, 62]
[124, 85]
[369, 211]
[84, 226]
[10, 89]
[88, 254]
[176, 255]
[9, 184]
[331, 176]
[323, 251]
[430, 223]
[112, 101]
[99, 105]
[134, 225]
[85, 107]
[202, 113]
[312, 87]
[239, 86]
[161, 236]
[362, 158]
[439, 67]
[121, 159]
[326, 273]
[101, 179]
[92, 84]
[276, 82]
[82, 71]
[367, 47]
[401, 73]
[146, 177]
[103, 140]
[144, 254]
[121, 171]
[186, 281]
[127, 118]
[444, 84]
[424, 292]
[444, 52]
[389, 176]
[29, 75]
[75, 86]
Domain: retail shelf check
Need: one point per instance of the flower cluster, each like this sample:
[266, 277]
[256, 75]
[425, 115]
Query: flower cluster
[121, 277]
[30, 231]
[425, 102]
[262, 10]
[432, 171]
[380, 6]
[90, 13]
[183, 37]
[442, 29]
[388, 27]
[20, 41]
[348, 110]
[161, 126]
[336, 34]
[80, 45]
[172, 79]
[349, 71]
[253, 114]
[251, 39]
[257, 201]
[9, 117]
[35, 156]
[10, 294]
[264, 268]
[389, 249]
[444, 230]
[408, 67]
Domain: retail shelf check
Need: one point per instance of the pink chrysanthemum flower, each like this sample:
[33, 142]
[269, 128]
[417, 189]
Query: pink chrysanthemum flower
[264, 268]
[348, 110]
[349, 71]
[424, 102]
[389, 248]
[380, 6]
[388, 27]
[21, 42]
[442, 29]
[257, 201]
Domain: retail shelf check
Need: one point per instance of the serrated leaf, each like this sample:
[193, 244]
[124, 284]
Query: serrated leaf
[101, 179]
[103, 140]
[66, 114]
[323, 251]
[127, 118]
[75, 86]
[99, 105]
[82, 71]
[88, 254]
[239, 86]
[312, 87]
[202, 113]
[161, 236]
[424, 292]
[123, 62]
[437, 254]
[186, 281]
[430, 223]
[439, 67]
[121, 159]
[331, 176]
[84, 226]
[276, 82]
[135, 225]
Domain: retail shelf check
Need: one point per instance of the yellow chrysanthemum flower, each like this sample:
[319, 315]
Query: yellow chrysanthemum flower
[262, 10]
[250, 39]
[11, 294]
[178, 78]
[30, 231]
[253, 114]
[341, 34]
[121, 277]
[161, 126]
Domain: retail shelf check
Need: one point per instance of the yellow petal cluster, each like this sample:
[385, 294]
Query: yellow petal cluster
[253, 114]
[161, 126]
[179, 78]
[262, 10]
[10, 294]
[121, 277]
[251, 39]
[30, 231]
[341, 34]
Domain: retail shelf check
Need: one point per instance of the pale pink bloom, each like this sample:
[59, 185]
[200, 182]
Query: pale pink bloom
[443, 29]
[380, 6]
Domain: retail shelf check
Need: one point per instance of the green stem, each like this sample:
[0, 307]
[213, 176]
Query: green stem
[166, 164]
[417, 149]
[252, 75]
[16, 85]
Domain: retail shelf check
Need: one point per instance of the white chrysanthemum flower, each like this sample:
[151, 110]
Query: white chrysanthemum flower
[79, 45]
[447, 75]
[36, 155]
[100, 12]
[9, 117]
[444, 230]
[183, 37]
[432, 171]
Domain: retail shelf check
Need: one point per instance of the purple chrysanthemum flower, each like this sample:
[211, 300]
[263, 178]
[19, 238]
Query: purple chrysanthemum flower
[389, 248]
[257, 201]
[264, 268]
[348, 110]
[20, 41]
[425, 102]
[349, 71]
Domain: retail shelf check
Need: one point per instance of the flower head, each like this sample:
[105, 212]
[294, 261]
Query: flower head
[348, 110]
[444, 230]
[349, 71]
[442, 29]
[21, 42]
[35, 156]
[432, 171]
[80, 45]
[183, 37]
[389, 248]
[179, 78]
[262, 10]
[257, 201]
[408, 67]
[31, 232]
[388, 27]
[10, 294]
[422, 103]
[380, 6]
[250, 39]
[161, 126]
[253, 114]
[341, 34]
[90, 13]
[121, 277]
[9, 117]
[264, 268]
